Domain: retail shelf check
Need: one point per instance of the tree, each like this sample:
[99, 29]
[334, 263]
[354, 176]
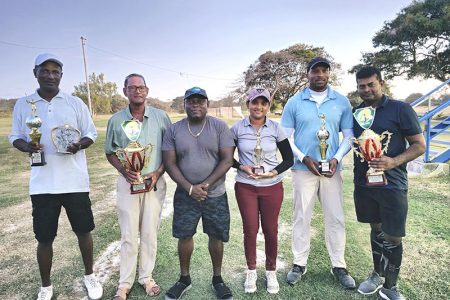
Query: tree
[283, 73]
[354, 98]
[155, 102]
[118, 102]
[416, 43]
[102, 93]
[227, 101]
[178, 104]
[7, 106]
[413, 97]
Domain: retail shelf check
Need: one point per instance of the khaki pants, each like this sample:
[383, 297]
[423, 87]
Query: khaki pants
[139, 217]
[307, 187]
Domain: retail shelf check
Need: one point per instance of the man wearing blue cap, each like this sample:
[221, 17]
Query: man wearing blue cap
[197, 153]
[318, 109]
[63, 180]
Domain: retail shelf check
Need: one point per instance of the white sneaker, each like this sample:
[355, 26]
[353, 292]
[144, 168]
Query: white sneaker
[272, 282]
[250, 281]
[45, 293]
[94, 288]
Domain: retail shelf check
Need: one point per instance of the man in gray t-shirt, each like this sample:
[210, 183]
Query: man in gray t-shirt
[197, 153]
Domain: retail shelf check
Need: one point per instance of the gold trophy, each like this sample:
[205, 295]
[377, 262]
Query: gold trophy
[370, 145]
[258, 155]
[63, 136]
[323, 135]
[134, 156]
[34, 122]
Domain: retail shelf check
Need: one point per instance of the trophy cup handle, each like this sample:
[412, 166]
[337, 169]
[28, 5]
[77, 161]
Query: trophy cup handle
[148, 152]
[352, 142]
[385, 134]
[120, 153]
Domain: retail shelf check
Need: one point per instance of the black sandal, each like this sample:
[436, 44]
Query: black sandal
[177, 290]
[222, 291]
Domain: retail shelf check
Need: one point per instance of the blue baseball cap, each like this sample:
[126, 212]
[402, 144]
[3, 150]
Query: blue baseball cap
[195, 91]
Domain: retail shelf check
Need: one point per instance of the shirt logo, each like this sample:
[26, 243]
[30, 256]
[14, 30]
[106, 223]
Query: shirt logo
[365, 116]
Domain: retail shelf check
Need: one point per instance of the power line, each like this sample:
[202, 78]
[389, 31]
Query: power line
[181, 74]
[34, 47]
[156, 67]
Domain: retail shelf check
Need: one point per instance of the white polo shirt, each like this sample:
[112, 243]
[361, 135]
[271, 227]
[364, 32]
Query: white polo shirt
[63, 173]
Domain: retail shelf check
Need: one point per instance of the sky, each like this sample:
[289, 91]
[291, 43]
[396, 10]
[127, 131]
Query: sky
[177, 44]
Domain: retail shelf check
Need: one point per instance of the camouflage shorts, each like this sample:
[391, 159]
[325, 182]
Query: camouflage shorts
[187, 212]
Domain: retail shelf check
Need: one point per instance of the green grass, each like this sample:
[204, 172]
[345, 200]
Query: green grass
[424, 273]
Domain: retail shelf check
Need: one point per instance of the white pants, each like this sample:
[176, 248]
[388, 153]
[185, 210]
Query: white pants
[307, 187]
[139, 217]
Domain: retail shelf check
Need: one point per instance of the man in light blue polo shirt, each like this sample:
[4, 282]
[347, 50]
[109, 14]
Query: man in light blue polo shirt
[301, 116]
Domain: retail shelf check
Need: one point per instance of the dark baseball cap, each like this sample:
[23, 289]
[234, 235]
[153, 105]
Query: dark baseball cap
[195, 91]
[318, 61]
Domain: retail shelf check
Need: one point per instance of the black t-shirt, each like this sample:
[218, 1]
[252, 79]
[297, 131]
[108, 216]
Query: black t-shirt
[400, 119]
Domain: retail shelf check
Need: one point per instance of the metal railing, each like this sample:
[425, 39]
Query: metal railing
[422, 99]
[427, 117]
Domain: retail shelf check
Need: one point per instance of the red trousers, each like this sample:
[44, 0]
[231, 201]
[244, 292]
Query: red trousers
[255, 201]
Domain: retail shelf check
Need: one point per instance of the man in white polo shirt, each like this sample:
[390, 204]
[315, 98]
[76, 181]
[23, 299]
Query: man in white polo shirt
[62, 180]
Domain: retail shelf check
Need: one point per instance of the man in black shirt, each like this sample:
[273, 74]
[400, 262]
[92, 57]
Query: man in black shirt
[385, 207]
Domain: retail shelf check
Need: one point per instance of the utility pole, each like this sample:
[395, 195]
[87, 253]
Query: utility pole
[86, 75]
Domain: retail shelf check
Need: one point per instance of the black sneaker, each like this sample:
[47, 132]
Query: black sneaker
[371, 285]
[391, 294]
[344, 278]
[295, 274]
[176, 291]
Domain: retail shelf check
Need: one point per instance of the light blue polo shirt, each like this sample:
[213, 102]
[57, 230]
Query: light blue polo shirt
[302, 113]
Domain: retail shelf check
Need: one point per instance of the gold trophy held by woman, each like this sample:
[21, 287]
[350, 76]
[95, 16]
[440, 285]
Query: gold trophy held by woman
[258, 155]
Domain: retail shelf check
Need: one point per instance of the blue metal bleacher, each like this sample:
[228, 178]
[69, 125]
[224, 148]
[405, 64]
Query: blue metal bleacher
[437, 150]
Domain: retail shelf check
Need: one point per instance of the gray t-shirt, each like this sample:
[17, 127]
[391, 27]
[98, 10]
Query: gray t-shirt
[197, 157]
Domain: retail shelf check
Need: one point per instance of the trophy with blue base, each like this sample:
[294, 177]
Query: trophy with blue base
[134, 156]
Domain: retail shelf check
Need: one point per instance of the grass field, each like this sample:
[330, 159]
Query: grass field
[425, 271]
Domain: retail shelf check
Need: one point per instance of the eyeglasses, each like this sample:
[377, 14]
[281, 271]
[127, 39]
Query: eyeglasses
[46, 73]
[134, 89]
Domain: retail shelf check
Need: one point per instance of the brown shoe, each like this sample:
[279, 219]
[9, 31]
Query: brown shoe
[151, 288]
[121, 294]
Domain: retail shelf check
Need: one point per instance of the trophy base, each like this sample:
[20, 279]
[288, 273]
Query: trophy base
[139, 188]
[324, 167]
[258, 170]
[144, 187]
[376, 179]
[37, 159]
[63, 152]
